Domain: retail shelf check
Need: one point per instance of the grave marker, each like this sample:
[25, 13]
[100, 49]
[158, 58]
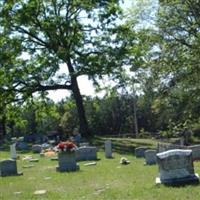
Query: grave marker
[150, 157]
[139, 152]
[176, 167]
[67, 162]
[108, 149]
[13, 153]
[86, 153]
[8, 168]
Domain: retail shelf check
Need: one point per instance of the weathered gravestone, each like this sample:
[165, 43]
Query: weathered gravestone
[195, 152]
[8, 168]
[67, 162]
[22, 146]
[108, 149]
[86, 153]
[37, 148]
[176, 167]
[13, 153]
[150, 157]
[139, 152]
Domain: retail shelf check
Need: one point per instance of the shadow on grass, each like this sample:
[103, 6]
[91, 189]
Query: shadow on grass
[182, 185]
[94, 160]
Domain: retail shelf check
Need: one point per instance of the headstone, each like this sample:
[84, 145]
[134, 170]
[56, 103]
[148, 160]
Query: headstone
[150, 157]
[36, 148]
[46, 146]
[176, 167]
[108, 149]
[13, 153]
[195, 152]
[77, 138]
[182, 141]
[84, 144]
[67, 162]
[86, 153]
[8, 168]
[139, 152]
[22, 146]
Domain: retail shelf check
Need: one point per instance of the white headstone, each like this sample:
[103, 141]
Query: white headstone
[13, 153]
[176, 167]
[108, 149]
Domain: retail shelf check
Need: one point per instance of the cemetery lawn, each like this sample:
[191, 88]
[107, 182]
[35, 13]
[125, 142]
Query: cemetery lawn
[106, 180]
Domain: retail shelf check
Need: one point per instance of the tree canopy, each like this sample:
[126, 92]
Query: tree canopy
[82, 35]
[154, 46]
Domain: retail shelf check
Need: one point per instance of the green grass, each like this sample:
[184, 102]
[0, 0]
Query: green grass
[106, 181]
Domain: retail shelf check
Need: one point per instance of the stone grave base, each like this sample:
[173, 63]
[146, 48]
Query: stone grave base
[179, 181]
[68, 169]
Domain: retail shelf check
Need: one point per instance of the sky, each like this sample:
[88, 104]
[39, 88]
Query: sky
[86, 88]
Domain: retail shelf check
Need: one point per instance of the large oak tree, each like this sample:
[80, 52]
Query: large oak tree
[82, 35]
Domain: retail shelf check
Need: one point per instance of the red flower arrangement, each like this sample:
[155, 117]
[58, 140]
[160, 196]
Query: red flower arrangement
[66, 146]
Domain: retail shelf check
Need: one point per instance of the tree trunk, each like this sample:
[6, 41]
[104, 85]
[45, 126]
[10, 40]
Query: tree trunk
[84, 130]
[80, 108]
[135, 115]
[3, 127]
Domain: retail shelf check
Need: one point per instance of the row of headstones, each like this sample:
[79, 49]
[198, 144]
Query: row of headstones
[148, 154]
[175, 166]
[66, 161]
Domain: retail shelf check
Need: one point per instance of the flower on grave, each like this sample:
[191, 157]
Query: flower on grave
[66, 146]
[124, 161]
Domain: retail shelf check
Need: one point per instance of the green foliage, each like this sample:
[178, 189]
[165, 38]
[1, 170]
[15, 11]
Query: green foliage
[86, 36]
[69, 120]
[166, 134]
[144, 134]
